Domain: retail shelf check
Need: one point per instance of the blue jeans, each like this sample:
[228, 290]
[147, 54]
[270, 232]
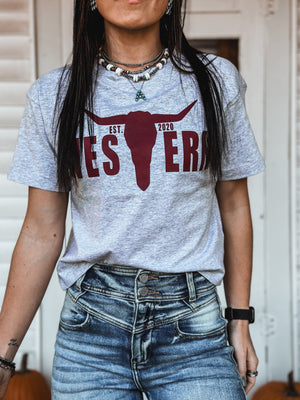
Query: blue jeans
[124, 332]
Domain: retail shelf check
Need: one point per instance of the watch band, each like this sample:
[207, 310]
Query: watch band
[238, 313]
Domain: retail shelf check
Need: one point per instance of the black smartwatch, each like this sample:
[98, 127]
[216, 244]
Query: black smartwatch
[238, 313]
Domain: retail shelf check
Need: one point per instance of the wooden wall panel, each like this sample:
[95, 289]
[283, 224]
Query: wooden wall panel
[17, 72]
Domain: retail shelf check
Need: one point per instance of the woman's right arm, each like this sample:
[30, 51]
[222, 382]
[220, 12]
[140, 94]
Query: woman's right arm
[34, 258]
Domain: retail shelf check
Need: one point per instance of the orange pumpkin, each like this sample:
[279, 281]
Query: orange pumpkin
[27, 384]
[276, 390]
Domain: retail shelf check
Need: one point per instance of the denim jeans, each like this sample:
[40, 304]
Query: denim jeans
[124, 332]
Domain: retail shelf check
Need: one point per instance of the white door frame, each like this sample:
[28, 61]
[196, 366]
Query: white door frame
[295, 279]
[279, 219]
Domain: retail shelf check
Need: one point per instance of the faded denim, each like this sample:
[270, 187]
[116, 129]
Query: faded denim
[125, 331]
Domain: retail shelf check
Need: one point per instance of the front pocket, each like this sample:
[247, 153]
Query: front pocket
[73, 317]
[205, 322]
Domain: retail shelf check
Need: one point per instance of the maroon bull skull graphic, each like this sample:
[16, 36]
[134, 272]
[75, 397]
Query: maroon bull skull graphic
[140, 135]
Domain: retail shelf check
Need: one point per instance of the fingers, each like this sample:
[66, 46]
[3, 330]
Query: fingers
[250, 383]
[244, 353]
[241, 359]
[4, 381]
[247, 361]
[252, 363]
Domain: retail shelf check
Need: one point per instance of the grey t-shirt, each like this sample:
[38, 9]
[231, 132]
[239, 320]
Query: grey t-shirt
[144, 196]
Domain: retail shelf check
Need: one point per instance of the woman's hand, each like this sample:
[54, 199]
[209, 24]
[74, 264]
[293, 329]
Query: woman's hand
[244, 353]
[4, 381]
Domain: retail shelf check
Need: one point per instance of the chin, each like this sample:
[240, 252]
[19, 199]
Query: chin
[132, 14]
[135, 24]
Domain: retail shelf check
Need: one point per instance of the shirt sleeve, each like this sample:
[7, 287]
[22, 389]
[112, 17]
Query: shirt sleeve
[34, 161]
[242, 158]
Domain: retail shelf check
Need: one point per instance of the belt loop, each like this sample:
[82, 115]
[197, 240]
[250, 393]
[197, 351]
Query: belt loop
[79, 281]
[191, 286]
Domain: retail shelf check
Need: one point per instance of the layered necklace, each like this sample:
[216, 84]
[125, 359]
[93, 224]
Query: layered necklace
[144, 74]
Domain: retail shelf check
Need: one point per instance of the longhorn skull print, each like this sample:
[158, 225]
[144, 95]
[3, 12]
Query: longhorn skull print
[140, 134]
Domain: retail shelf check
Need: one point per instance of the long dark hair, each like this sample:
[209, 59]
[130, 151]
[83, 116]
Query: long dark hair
[80, 77]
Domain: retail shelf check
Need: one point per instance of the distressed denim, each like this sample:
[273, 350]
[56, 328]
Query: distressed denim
[124, 332]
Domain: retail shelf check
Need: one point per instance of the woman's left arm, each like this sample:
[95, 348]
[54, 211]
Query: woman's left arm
[238, 243]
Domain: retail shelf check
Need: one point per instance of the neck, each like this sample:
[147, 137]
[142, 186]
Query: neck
[134, 46]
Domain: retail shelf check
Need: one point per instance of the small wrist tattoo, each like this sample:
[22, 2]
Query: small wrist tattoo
[13, 342]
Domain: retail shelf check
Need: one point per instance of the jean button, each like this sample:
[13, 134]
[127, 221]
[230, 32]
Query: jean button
[144, 291]
[143, 278]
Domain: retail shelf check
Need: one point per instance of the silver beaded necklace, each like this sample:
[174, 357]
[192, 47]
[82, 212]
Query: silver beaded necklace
[147, 70]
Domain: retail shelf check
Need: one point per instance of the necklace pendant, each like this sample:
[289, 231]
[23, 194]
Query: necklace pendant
[140, 96]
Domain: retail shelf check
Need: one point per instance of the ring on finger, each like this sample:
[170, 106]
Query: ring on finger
[251, 374]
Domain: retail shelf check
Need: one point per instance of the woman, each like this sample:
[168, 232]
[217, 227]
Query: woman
[153, 141]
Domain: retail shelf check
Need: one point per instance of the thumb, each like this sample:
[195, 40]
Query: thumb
[241, 359]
